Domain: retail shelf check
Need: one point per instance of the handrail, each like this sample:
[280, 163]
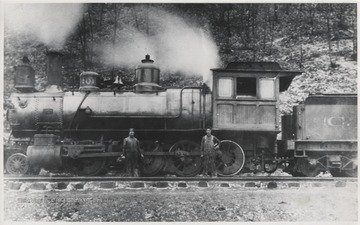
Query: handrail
[77, 110]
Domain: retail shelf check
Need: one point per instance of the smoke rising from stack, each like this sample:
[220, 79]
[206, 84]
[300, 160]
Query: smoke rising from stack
[176, 47]
[50, 24]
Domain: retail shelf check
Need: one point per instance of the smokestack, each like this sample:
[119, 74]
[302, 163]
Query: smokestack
[53, 71]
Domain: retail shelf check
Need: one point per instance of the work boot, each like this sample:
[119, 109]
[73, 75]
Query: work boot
[136, 173]
[128, 173]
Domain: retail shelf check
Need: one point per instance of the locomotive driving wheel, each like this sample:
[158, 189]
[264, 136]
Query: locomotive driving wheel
[184, 163]
[230, 158]
[86, 166]
[151, 164]
[17, 164]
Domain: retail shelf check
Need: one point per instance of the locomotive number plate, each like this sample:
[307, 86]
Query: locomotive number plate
[48, 111]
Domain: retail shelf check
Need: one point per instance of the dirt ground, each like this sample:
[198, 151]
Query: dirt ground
[318, 204]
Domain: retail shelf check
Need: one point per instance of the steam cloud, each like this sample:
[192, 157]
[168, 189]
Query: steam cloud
[177, 47]
[49, 24]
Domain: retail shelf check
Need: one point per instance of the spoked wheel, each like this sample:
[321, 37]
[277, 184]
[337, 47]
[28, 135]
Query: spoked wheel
[17, 164]
[185, 164]
[151, 164]
[231, 158]
[86, 166]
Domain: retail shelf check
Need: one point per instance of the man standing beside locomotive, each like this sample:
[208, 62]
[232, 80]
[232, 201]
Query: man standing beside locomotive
[131, 151]
[209, 153]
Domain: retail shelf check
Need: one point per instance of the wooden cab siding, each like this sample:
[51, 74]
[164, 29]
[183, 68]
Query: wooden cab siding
[248, 113]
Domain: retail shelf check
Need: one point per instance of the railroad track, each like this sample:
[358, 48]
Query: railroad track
[171, 178]
[25, 183]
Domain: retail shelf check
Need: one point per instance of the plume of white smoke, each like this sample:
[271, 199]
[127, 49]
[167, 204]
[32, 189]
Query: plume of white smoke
[49, 24]
[129, 49]
[176, 47]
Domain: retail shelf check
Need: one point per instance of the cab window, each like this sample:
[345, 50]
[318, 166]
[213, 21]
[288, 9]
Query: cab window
[267, 88]
[225, 87]
[245, 87]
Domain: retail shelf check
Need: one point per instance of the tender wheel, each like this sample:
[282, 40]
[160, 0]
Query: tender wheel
[231, 158]
[308, 167]
[151, 165]
[185, 164]
[86, 166]
[336, 173]
[17, 164]
[351, 173]
[349, 166]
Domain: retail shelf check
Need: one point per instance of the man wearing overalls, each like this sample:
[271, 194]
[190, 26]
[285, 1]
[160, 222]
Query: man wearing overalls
[131, 151]
[209, 153]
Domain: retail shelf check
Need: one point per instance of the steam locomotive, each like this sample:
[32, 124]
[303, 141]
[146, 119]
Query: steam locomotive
[80, 131]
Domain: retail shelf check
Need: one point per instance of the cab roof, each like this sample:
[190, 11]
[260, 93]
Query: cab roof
[266, 68]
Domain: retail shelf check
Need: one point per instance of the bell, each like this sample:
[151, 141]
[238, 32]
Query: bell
[118, 80]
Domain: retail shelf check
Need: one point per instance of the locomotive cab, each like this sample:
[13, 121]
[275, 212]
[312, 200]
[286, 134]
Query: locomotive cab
[246, 95]
[246, 108]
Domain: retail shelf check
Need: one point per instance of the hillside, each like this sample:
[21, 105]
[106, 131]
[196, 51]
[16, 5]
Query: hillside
[189, 39]
[319, 76]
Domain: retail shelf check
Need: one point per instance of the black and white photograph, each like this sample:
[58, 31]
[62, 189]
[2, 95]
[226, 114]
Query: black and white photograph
[203, 111]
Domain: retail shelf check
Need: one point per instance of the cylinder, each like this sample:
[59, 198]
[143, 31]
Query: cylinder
[47, 157]
[45, 152]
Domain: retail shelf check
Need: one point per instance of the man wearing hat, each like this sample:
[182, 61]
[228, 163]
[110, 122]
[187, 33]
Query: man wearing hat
[208, 151]
[131, 151]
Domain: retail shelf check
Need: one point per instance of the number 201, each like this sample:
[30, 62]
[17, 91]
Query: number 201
[88, 81]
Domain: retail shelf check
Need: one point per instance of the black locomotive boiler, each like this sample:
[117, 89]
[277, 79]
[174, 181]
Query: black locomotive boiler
[80, 130]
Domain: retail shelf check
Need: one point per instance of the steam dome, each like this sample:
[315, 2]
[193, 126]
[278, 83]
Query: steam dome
[147, 75]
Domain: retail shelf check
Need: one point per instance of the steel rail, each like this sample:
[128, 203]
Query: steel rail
[113, 178]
